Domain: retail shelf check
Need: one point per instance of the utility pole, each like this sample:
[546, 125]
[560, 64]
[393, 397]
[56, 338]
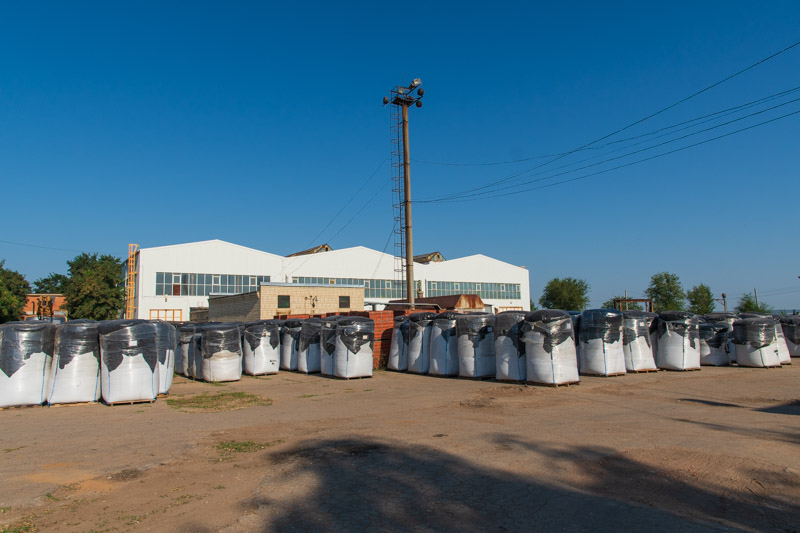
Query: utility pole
[755, 293]
[405, 97]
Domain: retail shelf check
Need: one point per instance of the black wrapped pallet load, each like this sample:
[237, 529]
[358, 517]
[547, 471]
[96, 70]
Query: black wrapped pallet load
[308, 354]
[75, 373]
[636, 343]
[444, 345]
[290, 337]
[600, 348]
[678, 341]
[729, 319]
[550, 351]
[780, 340]
[166, 344]
[419, 342]
[262, 347]
[714, 345]
[221, 346]
[476, 357]
[128, 361]
[755, 343]
[26, 353]
[508, 346]
[355, 340]
[327, 344]
[790, 324]
[398, 351]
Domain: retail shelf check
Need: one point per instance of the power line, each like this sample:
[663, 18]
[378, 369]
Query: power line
[620, 166]
[481, 194]
[58, 249]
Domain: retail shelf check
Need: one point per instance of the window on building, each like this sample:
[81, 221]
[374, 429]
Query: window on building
[344, 302]
[284, 301]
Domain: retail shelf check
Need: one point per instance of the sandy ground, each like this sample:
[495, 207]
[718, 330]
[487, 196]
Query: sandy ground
[714, 450]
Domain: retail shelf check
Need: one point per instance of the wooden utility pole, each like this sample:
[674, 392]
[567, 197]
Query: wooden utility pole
[410, 289]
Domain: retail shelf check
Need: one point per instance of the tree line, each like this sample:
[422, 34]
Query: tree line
[93, 288]
[665, 290]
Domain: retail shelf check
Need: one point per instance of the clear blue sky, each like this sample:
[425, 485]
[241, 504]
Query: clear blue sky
[161, 123]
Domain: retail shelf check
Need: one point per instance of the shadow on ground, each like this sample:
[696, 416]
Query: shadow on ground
[367, 485]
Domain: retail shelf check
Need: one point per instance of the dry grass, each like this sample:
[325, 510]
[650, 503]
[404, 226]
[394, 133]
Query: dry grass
[221, 401]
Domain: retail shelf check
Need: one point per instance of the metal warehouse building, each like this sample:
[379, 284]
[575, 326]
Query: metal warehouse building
[169, 280]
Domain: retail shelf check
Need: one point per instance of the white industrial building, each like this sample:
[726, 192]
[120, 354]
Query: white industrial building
[172, 279]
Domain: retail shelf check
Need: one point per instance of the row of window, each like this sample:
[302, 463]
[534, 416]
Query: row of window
[373, 288]
[182, 284]
[487, 291]
[285, 302]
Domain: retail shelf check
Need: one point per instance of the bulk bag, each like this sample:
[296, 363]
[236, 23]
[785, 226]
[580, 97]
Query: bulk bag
[352, 357]
[508, 346]
[128, 361]
[290, 337]
[476, 357]
[26, 353]
[327, 344]
[714, 343]
[755, 343]
[419, 340]
[262, 348]
[308, 356]
[678, 341]
[75, 372]
[790, 324]
[166, 342]
[398, 350]
[636, 340]
[548, 337]
[600, 349]
[444, 345]
[221, 347]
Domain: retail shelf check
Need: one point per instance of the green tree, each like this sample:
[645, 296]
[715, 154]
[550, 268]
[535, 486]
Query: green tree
[568, 294]
[52, 284]
[94, 289]
[701, 300]
[13, 290]
[629, 306]
[533, 306]
[747, 304]
[666, 292]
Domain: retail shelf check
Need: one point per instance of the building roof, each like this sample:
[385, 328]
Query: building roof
[453, 301]
[314, 250]
[432, 257]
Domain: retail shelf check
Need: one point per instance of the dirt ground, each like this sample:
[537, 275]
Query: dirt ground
[712, 450]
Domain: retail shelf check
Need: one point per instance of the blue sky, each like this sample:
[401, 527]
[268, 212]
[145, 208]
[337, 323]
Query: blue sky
[161, 123]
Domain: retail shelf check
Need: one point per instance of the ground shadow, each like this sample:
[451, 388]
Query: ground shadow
[709, 402]
[369, 485]
[790, 408]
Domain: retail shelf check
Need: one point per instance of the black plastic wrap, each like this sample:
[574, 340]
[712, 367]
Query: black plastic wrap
[19, 340]
[757, 332]
[127, 338]
[555, 325]
[682, 323]
[715, 334]
[755, 315]
[355, 332]
[603, 324]
[222, 337]
[310, 333]
[293, 327]
[475, 327]
[791, 328]
[446, 322]
[75, 338]
[576, 324]
[417, 322]
[645, 324]
[165, 339]
[256, 332]
[720, 317]
[327, 337]
[401, 323]
[509, 324]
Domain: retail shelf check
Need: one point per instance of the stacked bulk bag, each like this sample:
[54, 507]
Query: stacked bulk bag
[308, 357]
[600, 349]
[327, 344]
[398, 350]
[729, 319]
[185, 332]
[476, 357]
[550, 351]
[191, 358]
[678, 341]
[128, 361]
[290, 337]
[508, 346]
[419, 340]
[714, 350]
[444, 345]
[352, 357]
[636, 343]
[166, 343]
[755, 343]
[790, 324]
[26, 353]
[262, 348]
[221, 347]
[780, 340]
[75, 372]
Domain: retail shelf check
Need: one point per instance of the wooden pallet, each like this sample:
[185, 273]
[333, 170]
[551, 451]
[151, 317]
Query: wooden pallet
[9, 408]
[554, 385]
[163, 395]
[604, 375]
[681, 369]
[348, 379]
[475, 378]
[130, 402]
[646, 371]
[70, 404]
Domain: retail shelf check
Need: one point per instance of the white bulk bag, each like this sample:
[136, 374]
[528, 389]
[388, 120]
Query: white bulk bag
[352, 357]
[601, 350]
[678, 341]
[755, 343]
[327, 344]
[419, 340]
[476, 357]
[262, 348]
[166, 343]
[290, 336]
[222, 352]
[75, 373]
[26, 352]
[636, 326]
[128, 361]
[444, 345]
[729, 319]
[309, 354]
[398, 350]
[714, 343]
[549, 343]
[509, 349]
[790, 324]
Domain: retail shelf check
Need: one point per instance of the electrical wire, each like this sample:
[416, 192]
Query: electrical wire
[59, 249]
